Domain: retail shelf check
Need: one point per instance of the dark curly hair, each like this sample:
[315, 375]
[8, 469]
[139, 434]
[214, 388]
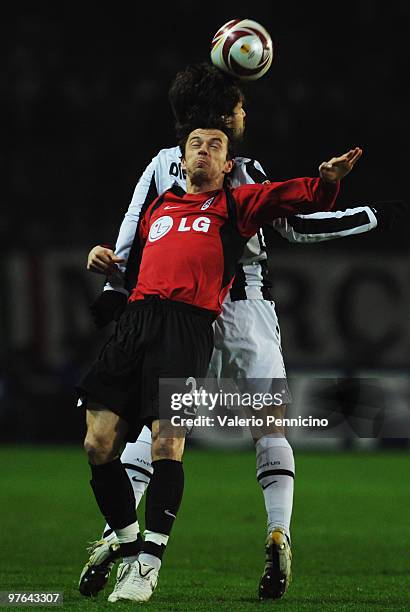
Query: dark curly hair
[202, 89]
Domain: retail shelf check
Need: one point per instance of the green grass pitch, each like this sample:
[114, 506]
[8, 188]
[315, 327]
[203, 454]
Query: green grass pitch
[350, 532]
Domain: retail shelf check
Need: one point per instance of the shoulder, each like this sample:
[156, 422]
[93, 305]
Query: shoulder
[241, 161]
[171, 153]
[247, 171]
[247, 188]
[168, 169]
[245, 191]
[166, 156]
[168, 161]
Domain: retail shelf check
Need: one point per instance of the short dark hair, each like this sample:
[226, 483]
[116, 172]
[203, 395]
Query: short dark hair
[202, 89]
[206, 122]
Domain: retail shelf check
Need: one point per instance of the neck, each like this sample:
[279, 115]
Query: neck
[204, 186]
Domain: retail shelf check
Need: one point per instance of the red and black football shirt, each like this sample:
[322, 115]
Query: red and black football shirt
[191, 243]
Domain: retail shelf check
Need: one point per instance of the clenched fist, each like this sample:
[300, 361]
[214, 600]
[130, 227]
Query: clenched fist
[102, 260]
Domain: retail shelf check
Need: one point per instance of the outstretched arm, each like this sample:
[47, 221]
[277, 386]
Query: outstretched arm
[260, 204]
[322, 226]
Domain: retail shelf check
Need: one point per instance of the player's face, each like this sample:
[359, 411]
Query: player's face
[206, 156]
[236, 121]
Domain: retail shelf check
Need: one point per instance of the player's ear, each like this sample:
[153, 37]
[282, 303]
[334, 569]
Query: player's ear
[229, 164]
[183, 163]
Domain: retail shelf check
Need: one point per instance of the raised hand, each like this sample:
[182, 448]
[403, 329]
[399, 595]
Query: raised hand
[338, 167]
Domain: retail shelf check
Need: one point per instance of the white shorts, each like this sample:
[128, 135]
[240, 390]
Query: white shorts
[247, 342]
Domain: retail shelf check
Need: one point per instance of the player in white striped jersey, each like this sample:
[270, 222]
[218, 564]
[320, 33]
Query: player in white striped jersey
[241, 350]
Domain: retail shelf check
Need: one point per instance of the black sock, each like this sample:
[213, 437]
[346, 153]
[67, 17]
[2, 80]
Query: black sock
[131, 549]
[114, 494]
[163, 499]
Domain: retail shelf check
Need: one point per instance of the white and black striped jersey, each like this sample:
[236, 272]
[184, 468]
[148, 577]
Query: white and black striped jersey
[251, 278]
[326, 225]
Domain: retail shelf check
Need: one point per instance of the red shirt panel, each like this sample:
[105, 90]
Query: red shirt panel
[184, 257]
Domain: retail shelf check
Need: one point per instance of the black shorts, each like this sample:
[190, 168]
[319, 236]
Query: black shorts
[154, 339]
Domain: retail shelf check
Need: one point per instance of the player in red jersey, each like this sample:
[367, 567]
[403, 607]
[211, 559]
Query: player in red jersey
[189, 248]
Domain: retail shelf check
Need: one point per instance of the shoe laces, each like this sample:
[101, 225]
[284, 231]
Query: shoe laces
[94, 544]
[122, 575]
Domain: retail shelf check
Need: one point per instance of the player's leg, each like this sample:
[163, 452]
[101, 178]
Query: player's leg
[275, 467]
[164, 492]
[115, 379]
[113, 492]
[137, 581]
[250, 349]
[136, 458]
[275, 473]
[104, 552]
[251, 355]
[106, 432]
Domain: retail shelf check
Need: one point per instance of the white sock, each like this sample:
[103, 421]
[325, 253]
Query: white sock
[128, 533]
[150, 560]
[275, 471]
[156, 538]
[136, 459]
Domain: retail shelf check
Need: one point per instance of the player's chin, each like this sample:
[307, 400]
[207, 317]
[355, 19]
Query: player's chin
[199, 175]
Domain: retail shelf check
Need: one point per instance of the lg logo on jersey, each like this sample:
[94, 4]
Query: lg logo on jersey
[161, 226]
[200, 224]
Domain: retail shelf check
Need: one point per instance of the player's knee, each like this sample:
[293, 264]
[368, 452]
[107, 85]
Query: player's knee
[167, 448]
[99, 448]
[272, 419]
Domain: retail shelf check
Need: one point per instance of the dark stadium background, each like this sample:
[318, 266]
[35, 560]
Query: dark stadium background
[85, 108]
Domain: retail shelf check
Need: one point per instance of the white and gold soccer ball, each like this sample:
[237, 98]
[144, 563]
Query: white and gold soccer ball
[243, 48]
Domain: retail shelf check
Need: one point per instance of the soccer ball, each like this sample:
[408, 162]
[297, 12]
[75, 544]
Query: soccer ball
[243, 48]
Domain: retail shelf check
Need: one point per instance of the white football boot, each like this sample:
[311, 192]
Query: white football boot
[103, 555]
[135, 582]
